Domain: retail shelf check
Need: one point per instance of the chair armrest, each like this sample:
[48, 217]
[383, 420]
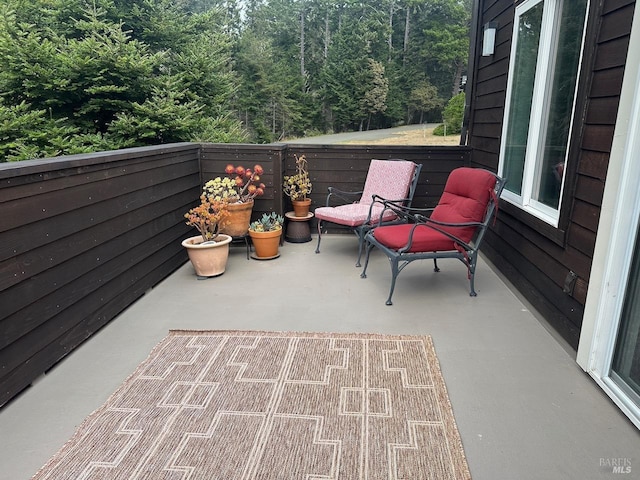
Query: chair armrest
[387, 205]
[408, 214]
[345, 196]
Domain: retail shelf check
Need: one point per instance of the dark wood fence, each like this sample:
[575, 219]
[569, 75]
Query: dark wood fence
[83, 237]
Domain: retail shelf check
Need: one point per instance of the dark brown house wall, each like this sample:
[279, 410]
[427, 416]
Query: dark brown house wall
[82, 238]
[537, 258]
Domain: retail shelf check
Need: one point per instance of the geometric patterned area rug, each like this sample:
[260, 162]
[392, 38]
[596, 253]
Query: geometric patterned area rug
[231, 405]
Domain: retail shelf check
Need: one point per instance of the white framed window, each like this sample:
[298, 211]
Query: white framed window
[546, 49]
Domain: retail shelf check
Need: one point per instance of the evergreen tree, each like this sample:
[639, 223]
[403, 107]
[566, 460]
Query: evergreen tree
[86, 82]
[99, 74]
[376, 88]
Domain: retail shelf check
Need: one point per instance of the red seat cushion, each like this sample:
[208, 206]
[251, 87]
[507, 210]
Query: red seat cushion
[425, 239]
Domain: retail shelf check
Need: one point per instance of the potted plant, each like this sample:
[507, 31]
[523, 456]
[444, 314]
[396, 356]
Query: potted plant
[265, 235]
[298, 187]
[238, 188]
[208, 251]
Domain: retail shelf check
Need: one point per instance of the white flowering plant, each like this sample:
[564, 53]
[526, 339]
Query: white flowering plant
[241, 184]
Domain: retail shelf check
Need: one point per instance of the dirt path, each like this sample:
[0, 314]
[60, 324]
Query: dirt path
[407, 135]
[422, 136]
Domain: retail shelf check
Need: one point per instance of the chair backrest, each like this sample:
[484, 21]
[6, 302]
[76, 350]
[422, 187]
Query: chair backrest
[470, 195]
[390, 179]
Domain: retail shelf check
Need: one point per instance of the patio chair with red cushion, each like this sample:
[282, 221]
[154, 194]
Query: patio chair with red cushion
[392, 180]
[454, 229]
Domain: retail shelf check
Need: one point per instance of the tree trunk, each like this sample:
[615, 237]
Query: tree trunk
[328, 116]
[327, 34]
[390, 39]
[302, 72]
[406, 37]
[456, 80]
[273, 118]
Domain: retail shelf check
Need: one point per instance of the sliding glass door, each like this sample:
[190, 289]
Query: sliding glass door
[610, 337]
[625, 369]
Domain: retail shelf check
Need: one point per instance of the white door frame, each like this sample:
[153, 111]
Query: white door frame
[615, 239]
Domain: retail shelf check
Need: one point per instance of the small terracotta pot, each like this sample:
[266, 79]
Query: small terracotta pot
[208, 259]
[266, 244]
[301, 207]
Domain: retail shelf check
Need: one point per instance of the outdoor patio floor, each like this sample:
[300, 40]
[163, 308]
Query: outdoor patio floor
[524, 408]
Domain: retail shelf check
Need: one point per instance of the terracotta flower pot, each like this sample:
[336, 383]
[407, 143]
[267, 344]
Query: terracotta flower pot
[301, 207]
[208, 259]
[239, 218]
[266, 244]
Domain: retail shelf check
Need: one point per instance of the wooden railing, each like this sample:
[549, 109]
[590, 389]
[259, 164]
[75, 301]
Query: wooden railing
[82, 237]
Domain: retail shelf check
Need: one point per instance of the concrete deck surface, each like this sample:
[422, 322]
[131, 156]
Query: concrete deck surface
[524, 408]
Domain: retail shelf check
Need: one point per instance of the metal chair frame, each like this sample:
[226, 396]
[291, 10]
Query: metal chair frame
[350, 197]
[467, 253]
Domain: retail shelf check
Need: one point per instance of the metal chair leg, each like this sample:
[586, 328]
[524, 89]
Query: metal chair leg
[319, 235]
[435, 265]
[472, 291]
[368, 248]
[360, 247]
[472, 274]
[394, 274]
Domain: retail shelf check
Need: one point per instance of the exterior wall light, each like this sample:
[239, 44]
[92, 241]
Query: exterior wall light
[489, 39]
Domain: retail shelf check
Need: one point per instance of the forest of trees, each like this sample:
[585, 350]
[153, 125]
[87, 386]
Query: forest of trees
[88, 75]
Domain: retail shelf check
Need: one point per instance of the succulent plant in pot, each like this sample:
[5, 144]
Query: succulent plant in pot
[265, 235]
[208, 251]
[267, 223]
[208, 217]
[298, 187]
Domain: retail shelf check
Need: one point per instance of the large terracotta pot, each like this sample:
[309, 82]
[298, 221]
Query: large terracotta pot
[301, 207]
[208, 259]
[266, 244]
[239, 218]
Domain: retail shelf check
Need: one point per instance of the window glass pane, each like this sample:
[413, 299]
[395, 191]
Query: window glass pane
[524, 73]
[550, 171]
[626, 360]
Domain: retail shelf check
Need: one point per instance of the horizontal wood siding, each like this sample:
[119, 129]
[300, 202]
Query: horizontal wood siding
[82, 238]
[535, 256]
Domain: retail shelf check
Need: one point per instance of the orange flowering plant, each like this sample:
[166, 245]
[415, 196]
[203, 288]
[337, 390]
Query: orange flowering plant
[241, 185]
[208, 217]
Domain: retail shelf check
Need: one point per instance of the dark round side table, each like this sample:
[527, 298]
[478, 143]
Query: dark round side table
[298, 230]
